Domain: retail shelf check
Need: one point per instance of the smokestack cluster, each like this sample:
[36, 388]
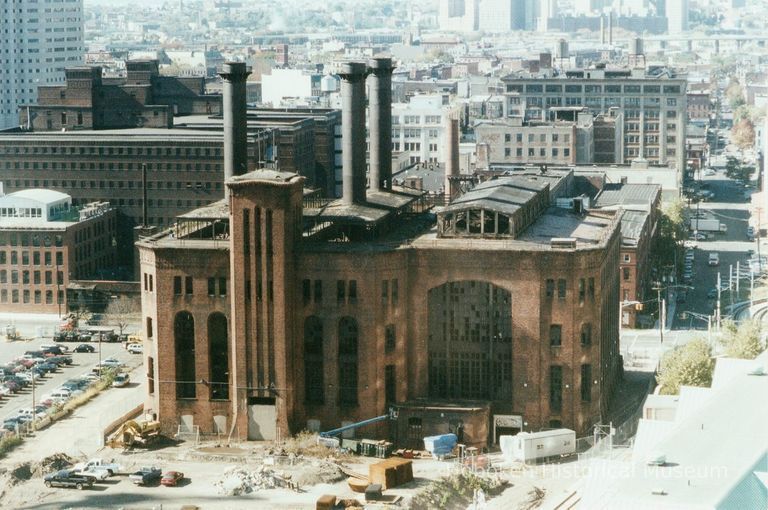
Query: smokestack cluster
[380, 122]
[234, 75]
[352, 76]
[353, 80]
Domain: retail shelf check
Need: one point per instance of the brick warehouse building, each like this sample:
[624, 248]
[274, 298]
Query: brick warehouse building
[271, 312]
[45, 243]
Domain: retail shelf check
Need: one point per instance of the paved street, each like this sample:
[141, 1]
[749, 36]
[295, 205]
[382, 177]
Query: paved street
[642, 347]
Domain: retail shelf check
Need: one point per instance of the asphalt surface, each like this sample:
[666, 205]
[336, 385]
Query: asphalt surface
[729, 207]
[82, 364]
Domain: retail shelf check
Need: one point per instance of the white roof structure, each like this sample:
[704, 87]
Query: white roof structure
[33, 206]
[716, 451]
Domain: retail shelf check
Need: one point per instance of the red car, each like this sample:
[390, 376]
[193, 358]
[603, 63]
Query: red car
[172, 478]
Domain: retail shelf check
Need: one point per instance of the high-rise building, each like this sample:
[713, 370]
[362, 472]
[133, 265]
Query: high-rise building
[37, 41]
[496, 16]
[677, 16]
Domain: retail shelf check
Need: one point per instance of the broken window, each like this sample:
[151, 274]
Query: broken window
[348, 361]
[184, 339]
[219, 356]
[555, 388]
[555, 335]
[313, 360]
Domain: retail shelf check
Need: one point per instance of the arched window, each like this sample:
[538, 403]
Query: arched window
[347, 361]
[218, 348]
[313, 360]
[184, 340]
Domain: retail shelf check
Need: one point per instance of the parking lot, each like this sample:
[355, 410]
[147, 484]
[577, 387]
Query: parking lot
[82, 364]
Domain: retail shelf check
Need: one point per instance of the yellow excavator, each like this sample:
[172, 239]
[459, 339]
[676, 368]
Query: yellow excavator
[134, 433]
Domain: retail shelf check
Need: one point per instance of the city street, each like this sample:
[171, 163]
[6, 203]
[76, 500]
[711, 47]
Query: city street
[640, 346]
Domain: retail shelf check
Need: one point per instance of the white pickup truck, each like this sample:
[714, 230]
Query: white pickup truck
[95, 467]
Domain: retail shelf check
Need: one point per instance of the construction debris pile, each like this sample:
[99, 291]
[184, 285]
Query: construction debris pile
[239, 480]
[25, 471]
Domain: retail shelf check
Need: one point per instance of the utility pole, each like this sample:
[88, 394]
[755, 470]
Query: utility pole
[738, 275]
[730, 284]
[661, 304]
[759, 258]
[717, 315]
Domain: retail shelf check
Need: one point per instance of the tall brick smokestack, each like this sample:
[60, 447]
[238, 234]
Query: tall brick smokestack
[234, 75]
[353, 131]
[380, 122]
[451, 148]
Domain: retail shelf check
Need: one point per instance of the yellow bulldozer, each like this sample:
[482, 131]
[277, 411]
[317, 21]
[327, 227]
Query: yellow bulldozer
[134, 433]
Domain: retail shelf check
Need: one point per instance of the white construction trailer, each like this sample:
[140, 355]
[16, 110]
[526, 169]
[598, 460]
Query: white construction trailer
[528, 446]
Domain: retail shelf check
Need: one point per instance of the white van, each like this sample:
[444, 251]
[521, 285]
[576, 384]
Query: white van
[714, 259]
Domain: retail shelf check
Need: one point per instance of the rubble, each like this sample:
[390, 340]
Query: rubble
[238, 480]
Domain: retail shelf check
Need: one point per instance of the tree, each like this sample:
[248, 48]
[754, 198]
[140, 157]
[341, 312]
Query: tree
[741, 341]
[743, 134]
[734, 94]
[122, 312]
[687, 365]
[737, 171]
[672, 232]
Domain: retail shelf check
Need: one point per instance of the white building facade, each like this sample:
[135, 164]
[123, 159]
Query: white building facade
[38, 39]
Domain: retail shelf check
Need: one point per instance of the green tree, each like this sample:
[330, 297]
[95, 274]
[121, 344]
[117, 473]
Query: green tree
[672, 232]
[686, 365]
[743, 340]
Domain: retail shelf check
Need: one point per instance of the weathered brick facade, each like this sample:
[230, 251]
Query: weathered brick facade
[323, 332]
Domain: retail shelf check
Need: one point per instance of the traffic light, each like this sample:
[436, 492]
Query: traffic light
[639, 307]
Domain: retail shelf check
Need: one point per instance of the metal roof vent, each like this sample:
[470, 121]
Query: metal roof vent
[658, 492]
[758, 370]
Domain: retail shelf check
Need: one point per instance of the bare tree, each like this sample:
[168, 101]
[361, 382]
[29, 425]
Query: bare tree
[122, 312]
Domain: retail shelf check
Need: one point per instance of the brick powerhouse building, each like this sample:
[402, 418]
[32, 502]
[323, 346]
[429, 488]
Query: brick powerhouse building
[270, 312]
[45, 243]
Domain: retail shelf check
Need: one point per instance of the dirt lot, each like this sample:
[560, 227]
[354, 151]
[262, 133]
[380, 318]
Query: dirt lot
[227, 478]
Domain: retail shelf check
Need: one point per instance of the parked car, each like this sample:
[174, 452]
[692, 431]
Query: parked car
[135, 348]
[172, 478]
[60, 360]
[714, 259]
[146, 476]
[84, 348]
[121, 380]
[750, 233]
[67, 478]
[48, 367]
[112, 362]
[110, 467]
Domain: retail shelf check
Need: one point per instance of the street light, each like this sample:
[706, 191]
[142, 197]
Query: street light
[700, 316]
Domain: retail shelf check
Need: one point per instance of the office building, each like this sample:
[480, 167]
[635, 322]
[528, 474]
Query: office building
[37, 41]
[677, 16]
[652, 104]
